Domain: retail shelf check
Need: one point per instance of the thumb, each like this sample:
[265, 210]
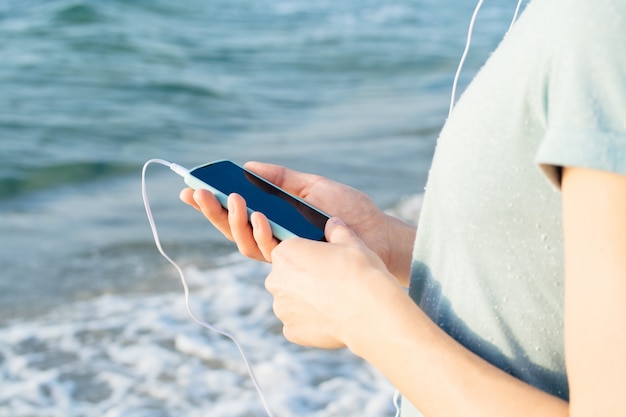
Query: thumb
[336, 231]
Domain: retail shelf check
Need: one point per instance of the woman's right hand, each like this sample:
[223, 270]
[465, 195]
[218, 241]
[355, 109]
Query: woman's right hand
[390, 238]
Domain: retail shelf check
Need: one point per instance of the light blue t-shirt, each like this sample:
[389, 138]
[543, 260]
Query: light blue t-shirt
[488, 259]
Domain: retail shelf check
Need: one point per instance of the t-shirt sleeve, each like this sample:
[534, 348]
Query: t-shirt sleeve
[586, 94]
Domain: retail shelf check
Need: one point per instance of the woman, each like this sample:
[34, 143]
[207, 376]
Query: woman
[517, 278]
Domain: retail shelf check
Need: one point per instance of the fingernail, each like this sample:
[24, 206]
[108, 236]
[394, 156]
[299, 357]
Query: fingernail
[337, 221]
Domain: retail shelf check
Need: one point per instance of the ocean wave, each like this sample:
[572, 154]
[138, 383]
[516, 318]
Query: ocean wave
[62, 174]
[78, 13]
[185, 87]
[141, 355]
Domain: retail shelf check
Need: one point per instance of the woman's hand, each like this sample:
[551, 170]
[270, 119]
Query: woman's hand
[325, 292]
[390, 238]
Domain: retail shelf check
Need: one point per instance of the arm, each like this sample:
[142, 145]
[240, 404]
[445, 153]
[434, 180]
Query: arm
[340, 294]
[594, 205]
[320, 303]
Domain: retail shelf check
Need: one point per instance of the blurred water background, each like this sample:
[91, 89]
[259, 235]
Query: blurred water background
[91, 318]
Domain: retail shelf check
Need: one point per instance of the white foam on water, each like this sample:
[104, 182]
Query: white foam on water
[141, 355]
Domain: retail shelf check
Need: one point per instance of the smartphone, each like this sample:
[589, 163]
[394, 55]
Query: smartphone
[288, 215]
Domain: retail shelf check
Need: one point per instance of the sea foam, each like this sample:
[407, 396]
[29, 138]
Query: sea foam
[141, 355]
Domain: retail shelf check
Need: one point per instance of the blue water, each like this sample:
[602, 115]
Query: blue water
[91, 318]
[353, 89]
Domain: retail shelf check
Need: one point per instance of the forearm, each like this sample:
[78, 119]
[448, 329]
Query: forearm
[436, 373]
[594, 204]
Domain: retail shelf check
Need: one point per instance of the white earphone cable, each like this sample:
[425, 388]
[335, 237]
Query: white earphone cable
[182, 171]
[519, 5]
[465, 52]
[467, 47]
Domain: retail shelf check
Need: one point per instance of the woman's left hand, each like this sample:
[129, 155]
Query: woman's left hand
[323, 292]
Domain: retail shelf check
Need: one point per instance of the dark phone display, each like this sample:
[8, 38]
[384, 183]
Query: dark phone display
[278, 206]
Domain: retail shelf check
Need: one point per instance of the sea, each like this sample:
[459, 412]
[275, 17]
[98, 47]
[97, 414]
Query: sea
[92, 318]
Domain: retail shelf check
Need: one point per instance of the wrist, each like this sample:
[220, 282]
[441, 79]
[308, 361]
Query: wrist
[380, 308]
[401, 238]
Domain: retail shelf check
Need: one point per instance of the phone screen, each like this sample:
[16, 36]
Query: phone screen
[278, 206]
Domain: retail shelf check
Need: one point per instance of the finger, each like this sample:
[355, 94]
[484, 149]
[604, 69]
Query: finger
[186, 195]
[240, 227]
[262, 233]
[336, 231]
[213, 211]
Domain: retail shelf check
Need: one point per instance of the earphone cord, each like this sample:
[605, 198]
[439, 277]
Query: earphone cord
[202, 323]
[467, 47]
